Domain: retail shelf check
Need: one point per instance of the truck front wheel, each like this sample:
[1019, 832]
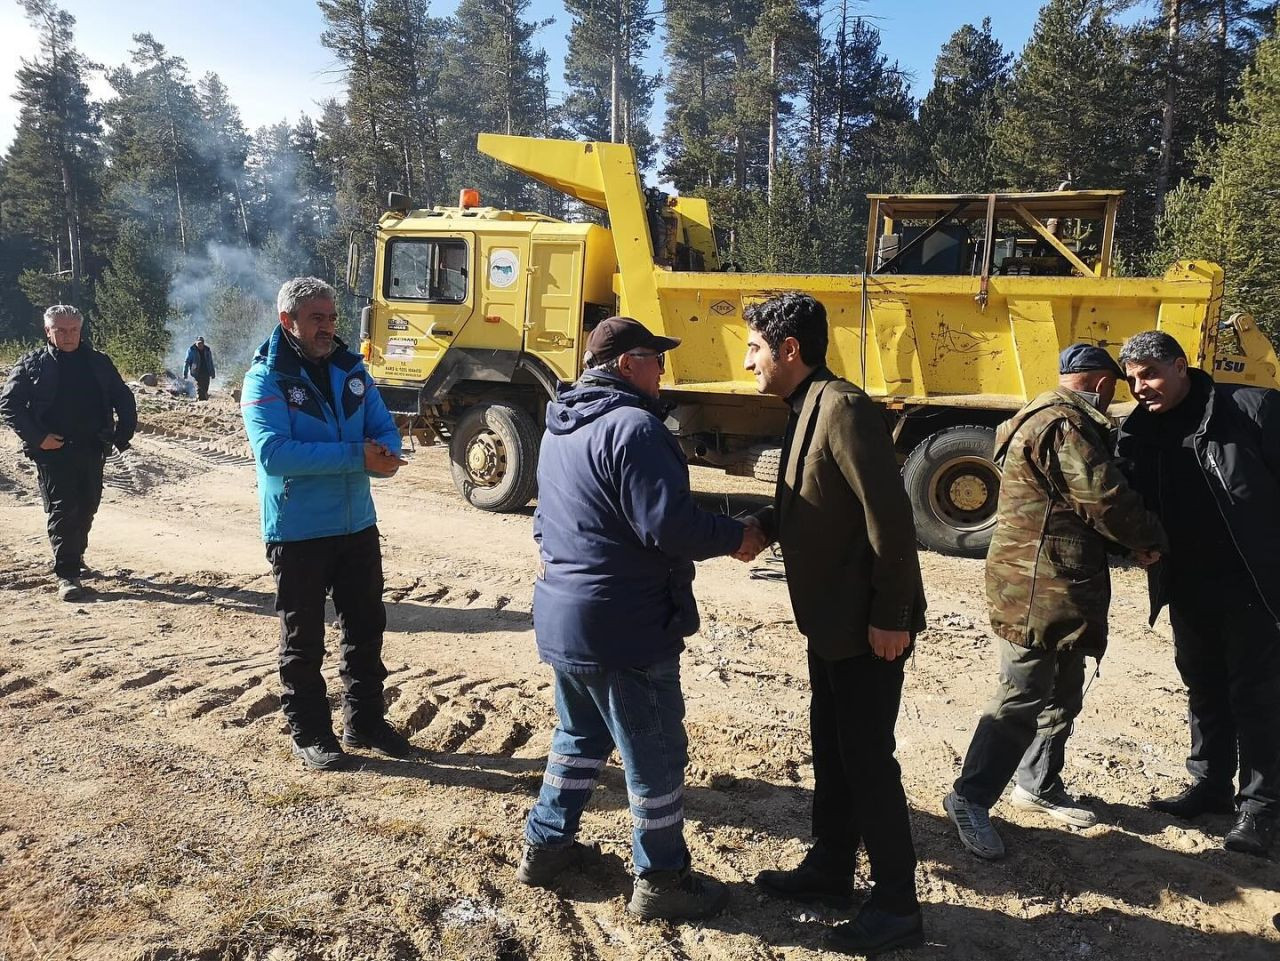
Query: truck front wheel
[494, 457]
[953, 486]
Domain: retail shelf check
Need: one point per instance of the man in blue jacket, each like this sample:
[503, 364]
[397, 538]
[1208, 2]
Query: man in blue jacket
[319, 430]
[199, 364]
[618, 532]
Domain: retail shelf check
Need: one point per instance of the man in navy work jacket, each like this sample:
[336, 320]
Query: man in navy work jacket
[70, 407]
[199, 364]
[618, 532]
[319, 430]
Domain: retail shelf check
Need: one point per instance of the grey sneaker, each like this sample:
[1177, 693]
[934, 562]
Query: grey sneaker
[543, 863]
[973, 822]
[1057, 804]
[677, 896]
[69, 589]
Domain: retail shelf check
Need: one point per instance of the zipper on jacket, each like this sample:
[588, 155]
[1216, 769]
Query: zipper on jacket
[1213, 462]
[337, 424]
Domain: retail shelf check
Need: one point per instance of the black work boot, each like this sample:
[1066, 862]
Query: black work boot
[819, 877]
[1251, 834]
[1194, 800]
[543, 863]
[874, 931]
[379, 736]
[677, 896]
[321, 754]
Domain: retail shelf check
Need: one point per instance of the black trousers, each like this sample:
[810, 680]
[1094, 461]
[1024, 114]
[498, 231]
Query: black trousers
[858, 796]
[70, 480]
[349, 567]
[1227, 648]
[202, 387]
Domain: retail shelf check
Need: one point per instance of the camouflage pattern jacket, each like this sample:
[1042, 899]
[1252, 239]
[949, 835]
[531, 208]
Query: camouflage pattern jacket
[1064, 505]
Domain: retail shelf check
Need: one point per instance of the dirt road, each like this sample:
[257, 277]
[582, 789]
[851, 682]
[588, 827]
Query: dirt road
[150, 808]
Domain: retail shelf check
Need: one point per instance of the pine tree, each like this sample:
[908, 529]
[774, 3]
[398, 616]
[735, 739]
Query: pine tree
[52, 177]
[1081, 110]
[960, 114]
[407, 51]
[133, 302]
[225, 149]
[610, 94]
[700, 53]
[494, 80]
[159, 172]
[1230, 218]
[1198, 48]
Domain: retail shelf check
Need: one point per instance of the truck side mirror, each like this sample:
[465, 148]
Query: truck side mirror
[353, 267]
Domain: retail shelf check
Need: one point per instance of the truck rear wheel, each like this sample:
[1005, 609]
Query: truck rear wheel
[494, 457]
[954, 486]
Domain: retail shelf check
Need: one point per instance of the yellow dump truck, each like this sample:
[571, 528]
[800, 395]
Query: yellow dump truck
[476, 314]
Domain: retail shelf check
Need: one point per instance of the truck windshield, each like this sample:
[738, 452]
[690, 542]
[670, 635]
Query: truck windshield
[428, 270]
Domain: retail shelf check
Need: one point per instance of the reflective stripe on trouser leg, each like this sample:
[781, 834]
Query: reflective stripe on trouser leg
[653, 814]
[567, 773]
[566, 788]
[580, 746]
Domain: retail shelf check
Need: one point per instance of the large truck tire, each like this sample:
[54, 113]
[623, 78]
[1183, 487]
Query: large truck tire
[953, 486]
[494, 457]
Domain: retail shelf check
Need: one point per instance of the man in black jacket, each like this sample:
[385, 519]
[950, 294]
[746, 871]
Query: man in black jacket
[1207, 458]
[70, 407]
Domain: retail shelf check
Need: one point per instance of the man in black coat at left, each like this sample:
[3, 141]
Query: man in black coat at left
[69, 405]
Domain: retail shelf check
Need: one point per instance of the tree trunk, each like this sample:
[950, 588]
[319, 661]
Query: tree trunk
[773, 116]
[177, 176]
[68, 210]
[1173, 12]
[244, 217]
[1220, 87]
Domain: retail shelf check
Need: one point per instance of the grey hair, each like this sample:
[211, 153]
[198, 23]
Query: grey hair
[61, 310]
[1151, 345]
[296, 292]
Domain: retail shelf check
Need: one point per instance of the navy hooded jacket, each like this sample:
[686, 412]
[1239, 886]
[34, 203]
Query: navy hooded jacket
[617, 531]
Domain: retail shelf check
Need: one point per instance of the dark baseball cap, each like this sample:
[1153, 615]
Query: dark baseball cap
[1082, 358]
[616, 336]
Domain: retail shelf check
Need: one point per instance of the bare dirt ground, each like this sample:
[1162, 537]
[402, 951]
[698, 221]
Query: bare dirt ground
[151, 811]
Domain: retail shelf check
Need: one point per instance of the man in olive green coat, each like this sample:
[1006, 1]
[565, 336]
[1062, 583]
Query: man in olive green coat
[1064, 506]
[844, 524]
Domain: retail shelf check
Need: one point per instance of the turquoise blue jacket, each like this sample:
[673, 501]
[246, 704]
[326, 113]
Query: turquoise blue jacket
[311, 476]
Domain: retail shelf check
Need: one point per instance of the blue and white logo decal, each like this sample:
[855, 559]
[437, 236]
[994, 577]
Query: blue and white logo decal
[356, 386]
[297, 396]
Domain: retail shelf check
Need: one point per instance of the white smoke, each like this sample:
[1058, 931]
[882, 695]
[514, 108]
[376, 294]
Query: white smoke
[226, 295]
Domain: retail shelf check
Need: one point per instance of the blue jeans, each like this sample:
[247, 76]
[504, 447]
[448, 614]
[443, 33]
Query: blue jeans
[640, 711]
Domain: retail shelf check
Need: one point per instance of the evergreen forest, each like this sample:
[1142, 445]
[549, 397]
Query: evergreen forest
[158, 213]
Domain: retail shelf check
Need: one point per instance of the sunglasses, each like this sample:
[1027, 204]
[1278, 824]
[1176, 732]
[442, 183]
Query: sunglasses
[662, 358]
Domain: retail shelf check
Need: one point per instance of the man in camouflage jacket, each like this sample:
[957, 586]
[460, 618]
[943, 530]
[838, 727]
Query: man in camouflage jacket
[1064, 506]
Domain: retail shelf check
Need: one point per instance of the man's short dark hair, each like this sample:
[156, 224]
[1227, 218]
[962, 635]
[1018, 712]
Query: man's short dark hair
[791, 315]
[1151, 345]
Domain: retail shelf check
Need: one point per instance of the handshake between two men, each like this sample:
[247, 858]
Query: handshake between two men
[885, 644]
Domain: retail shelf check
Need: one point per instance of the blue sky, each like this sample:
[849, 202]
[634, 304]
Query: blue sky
[269, 53]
